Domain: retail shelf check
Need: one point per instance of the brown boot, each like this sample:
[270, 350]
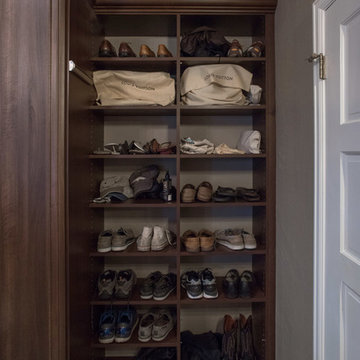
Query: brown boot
[106, 49]
[229, 340]
[247, 351]
[125, 50]
[235, 49]
[163, 51]
[145, 51]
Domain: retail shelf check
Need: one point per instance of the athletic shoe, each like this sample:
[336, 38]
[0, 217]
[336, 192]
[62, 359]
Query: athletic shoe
[191, 282]
[143, 241]
[122, 239]
[209, 284]
[104, 241]
[126, 324]
[106, 284]
[162, 325]
[125, 282]
[249, 240]
[231, 238]
[107, 327]
[146, 326]
[162, 238]
[164, 287]
[147, 287]
[231, 284]
[247, 284]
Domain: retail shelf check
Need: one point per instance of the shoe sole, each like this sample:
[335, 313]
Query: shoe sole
[107, 341]
[163, 337]
[104, 250]
[146, 297]
[230, 246]
[194, 297]
[122, 248]
[144, 340]
[122, 340]
[159, 248]
[163, 297]
[207, 296]
[140, 248]
[250, 247]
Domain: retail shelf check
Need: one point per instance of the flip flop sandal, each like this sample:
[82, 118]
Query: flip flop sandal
[247, 194]
[136, 148]
[109, 149]
[226, 191]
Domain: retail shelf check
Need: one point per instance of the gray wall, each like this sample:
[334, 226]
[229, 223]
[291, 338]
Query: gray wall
[295, 173]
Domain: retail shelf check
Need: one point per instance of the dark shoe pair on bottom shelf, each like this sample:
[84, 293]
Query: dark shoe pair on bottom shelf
[238, 340]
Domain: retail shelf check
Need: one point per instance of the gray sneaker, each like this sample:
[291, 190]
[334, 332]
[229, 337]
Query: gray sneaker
[163, 325]
[104, 241]
[143, 241]
[191, 282]
[146, 325]
[231, 238]
[106, 284]
[209, 284]
[164, 287]
[147, 288]
[162, 238]
[125, 282]
[122, 239]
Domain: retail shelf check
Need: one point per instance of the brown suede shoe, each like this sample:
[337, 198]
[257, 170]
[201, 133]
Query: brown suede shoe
[125, 50]
[106, 49]
[191, 241]
[163, 51]
[235, 49]
[145, 51]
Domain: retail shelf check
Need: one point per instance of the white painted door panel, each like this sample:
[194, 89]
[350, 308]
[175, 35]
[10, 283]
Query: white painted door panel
[342, 181]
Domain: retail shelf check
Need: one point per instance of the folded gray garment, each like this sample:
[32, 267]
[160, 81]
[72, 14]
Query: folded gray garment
[189, 146]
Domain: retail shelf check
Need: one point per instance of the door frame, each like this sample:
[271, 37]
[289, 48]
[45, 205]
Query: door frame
[319, 9]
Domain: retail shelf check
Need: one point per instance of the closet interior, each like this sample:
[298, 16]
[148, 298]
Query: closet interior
[90, 126]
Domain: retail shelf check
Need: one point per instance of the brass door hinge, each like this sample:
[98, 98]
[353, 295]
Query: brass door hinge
[322, 66]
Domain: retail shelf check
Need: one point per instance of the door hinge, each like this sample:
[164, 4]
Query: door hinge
[322, 65]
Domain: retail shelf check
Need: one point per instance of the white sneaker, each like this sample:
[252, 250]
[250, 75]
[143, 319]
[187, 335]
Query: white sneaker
[162, 238]
[143, 241]
[249, 240]
[231, 238]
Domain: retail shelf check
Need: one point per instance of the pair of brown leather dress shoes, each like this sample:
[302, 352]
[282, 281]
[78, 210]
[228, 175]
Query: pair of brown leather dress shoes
[107, 50]
[255, 50]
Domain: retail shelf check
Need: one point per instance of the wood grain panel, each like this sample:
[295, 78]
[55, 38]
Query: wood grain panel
[32, 286]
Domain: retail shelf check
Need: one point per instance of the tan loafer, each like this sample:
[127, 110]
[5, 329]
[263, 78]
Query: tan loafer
[191, 241]
[163, 51]
[207, 240]
[145, 51]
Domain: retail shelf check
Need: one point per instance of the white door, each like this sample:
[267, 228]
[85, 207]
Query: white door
[338, 308]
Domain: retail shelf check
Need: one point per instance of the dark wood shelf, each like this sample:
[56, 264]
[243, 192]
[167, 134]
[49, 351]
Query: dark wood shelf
[259, 296]
[133, 156]
[221, 109]
[170, 341]
[135, 63]
[135, 299]
[131, 203]
[223, 156]
[223, 204]
[221, 250]
[131, 251]
[135, 110]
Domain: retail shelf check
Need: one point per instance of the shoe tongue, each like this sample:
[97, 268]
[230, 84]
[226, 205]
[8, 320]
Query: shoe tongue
[107, 276]
[124, 275]
[121, 231]
[125, 318]
[192, 275]
[207, 275]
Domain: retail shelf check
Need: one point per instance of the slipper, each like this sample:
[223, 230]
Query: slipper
[221, 198]
[247, 194]
[136, 148]
[226, 191]
[109, 149]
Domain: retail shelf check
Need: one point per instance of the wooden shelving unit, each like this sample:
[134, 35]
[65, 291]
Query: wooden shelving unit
[252, 20]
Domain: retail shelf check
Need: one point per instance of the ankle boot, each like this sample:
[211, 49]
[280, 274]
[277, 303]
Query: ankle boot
[163, 51]
[228, 351]
[247, 350]
[145, 51]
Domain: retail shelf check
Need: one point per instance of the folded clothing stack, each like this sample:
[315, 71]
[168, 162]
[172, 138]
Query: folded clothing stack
[190, 146]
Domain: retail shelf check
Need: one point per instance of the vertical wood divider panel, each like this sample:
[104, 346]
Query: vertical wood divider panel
[178, 172]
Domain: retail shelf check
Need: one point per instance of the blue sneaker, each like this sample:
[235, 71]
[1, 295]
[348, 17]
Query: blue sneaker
[107, 327]
[126, 324]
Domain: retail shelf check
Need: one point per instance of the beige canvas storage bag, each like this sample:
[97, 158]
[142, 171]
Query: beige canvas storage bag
[120, 87]
[217, 84]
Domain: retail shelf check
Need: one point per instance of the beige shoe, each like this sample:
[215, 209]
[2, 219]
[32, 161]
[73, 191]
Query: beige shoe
[163, 51]
[191, 241]
[207, 240]
[188, 193]
[145, 51]
[204, 192]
